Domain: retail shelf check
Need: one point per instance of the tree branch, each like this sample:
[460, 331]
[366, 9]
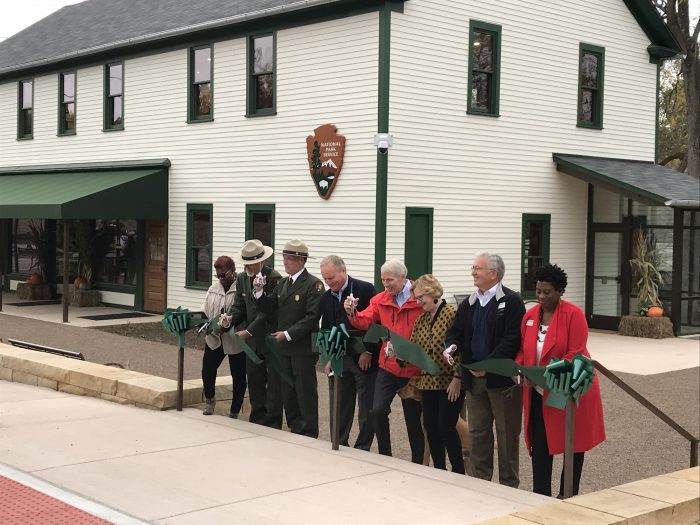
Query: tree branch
[674, 156]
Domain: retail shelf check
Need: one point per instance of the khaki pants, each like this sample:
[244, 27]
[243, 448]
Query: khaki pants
[503, 406]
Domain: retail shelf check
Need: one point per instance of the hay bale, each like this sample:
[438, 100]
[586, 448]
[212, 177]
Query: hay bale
[651, 327]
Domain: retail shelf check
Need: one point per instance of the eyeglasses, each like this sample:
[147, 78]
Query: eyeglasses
[419, 298]
[224, 275]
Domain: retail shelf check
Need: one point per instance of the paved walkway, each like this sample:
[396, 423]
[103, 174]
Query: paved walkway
[179, 468]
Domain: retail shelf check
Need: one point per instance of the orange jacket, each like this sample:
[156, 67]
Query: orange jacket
[383, 310]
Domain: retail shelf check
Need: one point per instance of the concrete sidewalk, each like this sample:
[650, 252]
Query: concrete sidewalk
[178, 468]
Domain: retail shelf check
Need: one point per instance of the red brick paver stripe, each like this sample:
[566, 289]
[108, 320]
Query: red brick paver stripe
[22, 505]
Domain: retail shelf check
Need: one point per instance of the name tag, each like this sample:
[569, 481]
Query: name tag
[530, 322]
[501, 306]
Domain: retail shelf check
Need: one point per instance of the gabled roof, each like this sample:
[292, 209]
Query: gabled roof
[644, 182]
[95, 27]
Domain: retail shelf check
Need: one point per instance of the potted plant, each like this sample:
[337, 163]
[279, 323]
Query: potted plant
[35, 287]
[650, 321]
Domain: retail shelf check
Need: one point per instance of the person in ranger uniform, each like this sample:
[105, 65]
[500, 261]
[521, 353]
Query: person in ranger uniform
[295, 300]
[264, 382]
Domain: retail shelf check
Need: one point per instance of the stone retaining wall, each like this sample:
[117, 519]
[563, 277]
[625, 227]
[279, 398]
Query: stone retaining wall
[96, 380]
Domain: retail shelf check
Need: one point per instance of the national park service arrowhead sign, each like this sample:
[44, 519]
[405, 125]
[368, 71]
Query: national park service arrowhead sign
[325, 150]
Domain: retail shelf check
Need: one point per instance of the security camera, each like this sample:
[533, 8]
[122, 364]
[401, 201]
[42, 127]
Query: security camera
[383, 142]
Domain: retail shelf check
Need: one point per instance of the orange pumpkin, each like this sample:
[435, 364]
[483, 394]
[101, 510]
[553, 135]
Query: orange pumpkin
[655, 311]
[78, 281]
[35, 278]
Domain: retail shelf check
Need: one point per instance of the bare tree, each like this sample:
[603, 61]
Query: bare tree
[676, 13]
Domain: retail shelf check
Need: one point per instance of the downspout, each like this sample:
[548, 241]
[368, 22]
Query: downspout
[380, 215]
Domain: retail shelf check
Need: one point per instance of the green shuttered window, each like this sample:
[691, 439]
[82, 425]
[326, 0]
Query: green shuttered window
[484, 68]
[199, 245]
[535, 250]
[591, 71]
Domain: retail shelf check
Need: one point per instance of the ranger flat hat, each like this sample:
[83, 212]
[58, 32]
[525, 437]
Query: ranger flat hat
[253, 251]
[296, 247]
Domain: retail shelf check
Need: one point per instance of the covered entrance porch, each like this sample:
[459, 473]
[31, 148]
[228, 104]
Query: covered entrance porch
[104, 223]
[624, 196]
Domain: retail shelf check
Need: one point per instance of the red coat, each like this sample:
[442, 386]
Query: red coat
[382, 309]
[566, 337]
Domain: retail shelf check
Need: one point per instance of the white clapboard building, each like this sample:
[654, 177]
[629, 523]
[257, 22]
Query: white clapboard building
[159, 134]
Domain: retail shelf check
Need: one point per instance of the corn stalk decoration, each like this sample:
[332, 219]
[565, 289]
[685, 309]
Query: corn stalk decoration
[646, 268]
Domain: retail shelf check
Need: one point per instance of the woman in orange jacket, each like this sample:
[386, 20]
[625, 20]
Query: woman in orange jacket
[556, 329]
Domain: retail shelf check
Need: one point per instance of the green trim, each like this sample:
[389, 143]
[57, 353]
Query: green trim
[87, 166]
[265, 208]
[192, 116]
[383, 79]
[107, 99]
[652, 24]
[61, 114]
[410, 239]
[495, 86]
[597, 122]
[545, 220]
[659, 65]
[189, 247]
[615, 185]
[119, 306]
[21, 132]
[250, 100]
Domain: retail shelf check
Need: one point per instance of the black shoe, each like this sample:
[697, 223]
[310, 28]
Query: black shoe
[232, 415]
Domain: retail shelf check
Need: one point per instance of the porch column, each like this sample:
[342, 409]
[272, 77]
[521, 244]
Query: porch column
[65, 270]
[677, 270]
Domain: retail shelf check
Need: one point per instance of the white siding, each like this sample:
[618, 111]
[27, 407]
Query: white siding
[326, 73]
[482, 173]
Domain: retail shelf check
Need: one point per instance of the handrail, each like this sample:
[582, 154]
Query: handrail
[569, 453]
[47, 349]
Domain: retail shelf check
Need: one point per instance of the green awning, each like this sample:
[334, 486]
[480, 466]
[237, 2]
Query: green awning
[644, 182]
[85, 194]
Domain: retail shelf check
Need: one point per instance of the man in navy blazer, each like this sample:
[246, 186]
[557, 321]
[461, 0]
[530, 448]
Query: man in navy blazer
[359, 370]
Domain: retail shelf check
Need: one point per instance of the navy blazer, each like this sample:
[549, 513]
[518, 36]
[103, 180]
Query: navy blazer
[333, 313]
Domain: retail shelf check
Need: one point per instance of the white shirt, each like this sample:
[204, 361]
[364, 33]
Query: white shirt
[296, 275]
[485, 297]
[403, 296]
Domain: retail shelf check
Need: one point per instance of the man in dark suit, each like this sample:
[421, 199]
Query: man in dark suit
[252, 325]
[359, 370]
[296, 300]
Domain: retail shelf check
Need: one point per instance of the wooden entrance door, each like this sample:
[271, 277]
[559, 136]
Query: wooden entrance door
[154, 276]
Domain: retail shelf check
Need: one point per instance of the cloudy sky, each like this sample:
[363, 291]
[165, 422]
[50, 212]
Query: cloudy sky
[26, 12]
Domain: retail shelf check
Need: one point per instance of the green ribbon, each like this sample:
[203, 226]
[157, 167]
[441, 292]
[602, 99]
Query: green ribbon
[238, 341]
[563, 379]
[332, 344]
[404, 349]
[179, 321]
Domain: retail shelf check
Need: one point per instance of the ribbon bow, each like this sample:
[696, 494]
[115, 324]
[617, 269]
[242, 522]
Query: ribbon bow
[566, 379]
[332, 343]
[179, 321]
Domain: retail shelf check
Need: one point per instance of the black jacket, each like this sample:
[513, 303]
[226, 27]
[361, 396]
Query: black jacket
[333, 313]
[504, 316]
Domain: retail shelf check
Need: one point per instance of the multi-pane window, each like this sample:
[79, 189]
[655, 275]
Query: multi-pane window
[484, 68]
[535, 250]
[199, 244]
[66, 103]
[200, 66]
[590, 88]
[114, 96]
[261, 75]
[25, 109]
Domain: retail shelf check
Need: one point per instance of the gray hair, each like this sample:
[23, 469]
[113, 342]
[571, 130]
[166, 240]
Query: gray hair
[495, 262]
[394, 267]
[336, 261]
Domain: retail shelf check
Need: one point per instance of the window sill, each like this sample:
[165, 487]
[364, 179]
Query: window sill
[198, 120]
[265, 114]
[107, 130]
[588, 126]
[29, 137]
[204, 287]
[482, 113]
[66, 134]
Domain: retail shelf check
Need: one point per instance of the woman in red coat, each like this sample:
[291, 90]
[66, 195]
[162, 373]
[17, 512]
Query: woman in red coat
[556, 329]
